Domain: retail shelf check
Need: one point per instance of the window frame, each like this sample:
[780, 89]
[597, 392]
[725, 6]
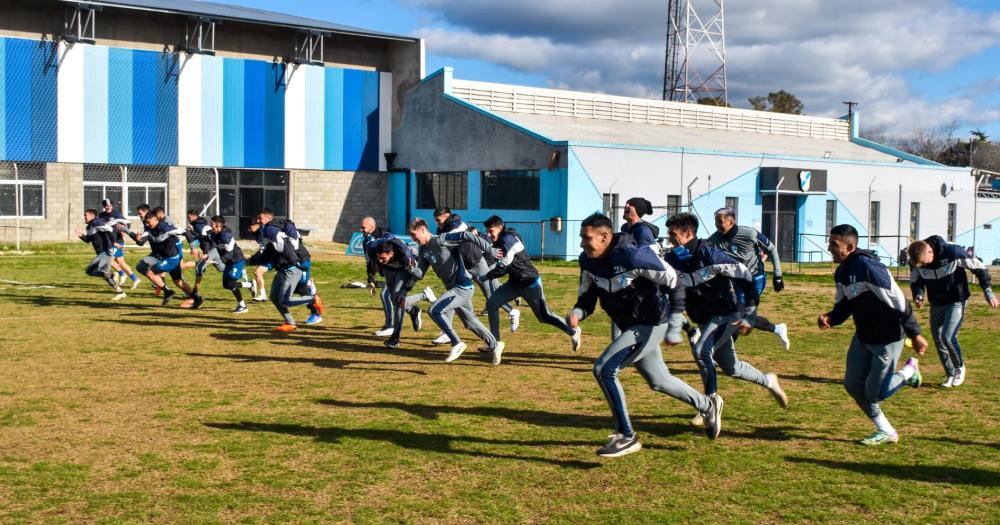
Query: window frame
[451, 189]
[735, 205]
[512, 174]
[19, 190]
[874, 220]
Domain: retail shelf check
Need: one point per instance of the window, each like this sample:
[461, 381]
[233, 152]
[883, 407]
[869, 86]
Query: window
[873, 221]
[673, 205]
[952, 218]
[733, 203]
[510, 190]
[26, 189]
[126, 187]
[831, 215]
[611, 205]
[448, 188]
[914, 220]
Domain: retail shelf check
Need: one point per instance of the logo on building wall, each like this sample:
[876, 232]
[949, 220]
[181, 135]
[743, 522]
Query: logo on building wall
[804, 177]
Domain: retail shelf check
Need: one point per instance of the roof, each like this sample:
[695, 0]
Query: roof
[238, 13]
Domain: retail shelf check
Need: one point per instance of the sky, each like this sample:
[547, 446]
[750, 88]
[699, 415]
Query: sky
[910, 64]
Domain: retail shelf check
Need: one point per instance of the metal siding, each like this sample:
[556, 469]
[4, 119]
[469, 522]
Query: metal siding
[232, 154]
[189, 107]
[274, 116]
[212, 111]
[43, 101]
[253, 113]
[144, 90]
[165, 132]
[353, 119]
[314, 107]
[3, 98]
[120, 112]
[95, 104]
[333, 136]
[370, 121]
[19, 100]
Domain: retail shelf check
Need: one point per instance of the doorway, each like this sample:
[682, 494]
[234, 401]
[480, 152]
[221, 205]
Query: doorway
[787, 221]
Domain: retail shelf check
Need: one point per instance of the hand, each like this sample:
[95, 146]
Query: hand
[498, 253]
[743, 327]
[919, 344]
[371, 289]
[78, 232]
[918, 302]
[779, 283]
[994, 303]
[823, 322]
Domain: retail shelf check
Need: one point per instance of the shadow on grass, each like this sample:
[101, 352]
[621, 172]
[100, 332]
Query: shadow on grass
[811, 379]
[322, 363]
[443, 443]
[954, 441]
[930, 473]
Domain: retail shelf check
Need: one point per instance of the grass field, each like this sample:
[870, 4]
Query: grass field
[115, 413]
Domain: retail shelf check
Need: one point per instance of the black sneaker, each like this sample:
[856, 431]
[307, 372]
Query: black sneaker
[619, 445]
[167, 295]
[391, 343]
[198, 301]
[415, 319]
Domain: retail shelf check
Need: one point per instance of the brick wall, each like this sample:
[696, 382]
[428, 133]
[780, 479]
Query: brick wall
[63, 208]
[177, 195]
[332, 203]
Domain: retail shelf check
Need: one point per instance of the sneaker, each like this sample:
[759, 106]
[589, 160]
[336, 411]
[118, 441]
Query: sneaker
[575, 338]
[391, 343]
[167, 295]
[118, 296]
[285, 327]
[240, 309]
[120, 279]
[455, 352]
[776, 391]
[879, 438]
[260, 298]
[254, 292]
[959, 376]
[713, 418]
[415, 319]
[619, 445]
[311, 287]
[197, 301]
[314, 319]
[694, 334]
[135, 283]
[515, 320]
[483, 313]
[385, 332]
[916, 379]
[441, 339]
[948, 382]
[497, 352]
[318, 305]
[781, 330]
[429, 294]
[698, 420]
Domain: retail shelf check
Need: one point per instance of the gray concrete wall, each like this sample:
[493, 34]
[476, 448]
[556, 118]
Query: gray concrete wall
[439, 134]
[332, 203]
[63, 208]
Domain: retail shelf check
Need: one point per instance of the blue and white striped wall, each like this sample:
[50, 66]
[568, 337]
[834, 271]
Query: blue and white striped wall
[95, 104]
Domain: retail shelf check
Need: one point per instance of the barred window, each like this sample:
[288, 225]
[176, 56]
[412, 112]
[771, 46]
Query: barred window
[125, 186]
[25, 188]
[673, 205]
[510, 189]
[450, 188]
[733, 203]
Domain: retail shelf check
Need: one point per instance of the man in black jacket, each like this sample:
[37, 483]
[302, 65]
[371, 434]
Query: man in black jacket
[100, 235]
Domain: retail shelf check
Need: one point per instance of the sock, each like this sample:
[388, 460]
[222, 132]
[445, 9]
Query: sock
[134, 277]
[245, 284]
[906, 372]
[121, 272]
[881, 423]
[238, 294]
[288, 318]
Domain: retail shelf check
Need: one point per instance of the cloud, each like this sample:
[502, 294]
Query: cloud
[823, 52]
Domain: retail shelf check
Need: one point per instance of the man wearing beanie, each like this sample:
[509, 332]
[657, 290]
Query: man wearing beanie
[643, 232]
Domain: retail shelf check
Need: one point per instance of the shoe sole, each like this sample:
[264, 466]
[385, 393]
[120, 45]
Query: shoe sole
[718, 418]
[634, 448]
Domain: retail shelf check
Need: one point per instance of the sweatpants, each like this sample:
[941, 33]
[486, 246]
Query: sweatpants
[534, 294]
[283, 292]
[716, 347]
[488, 286]
[394, 282]
[458, 300]
[388, 307]
[640, 346]
[945, 323]
[100, 266]
[213, 259]
[871, 374]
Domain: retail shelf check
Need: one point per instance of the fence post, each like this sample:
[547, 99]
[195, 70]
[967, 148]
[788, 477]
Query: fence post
[541, 225]
[17, 210]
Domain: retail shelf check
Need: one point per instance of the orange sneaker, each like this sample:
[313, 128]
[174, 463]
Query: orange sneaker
[318, 305]
[285, 327]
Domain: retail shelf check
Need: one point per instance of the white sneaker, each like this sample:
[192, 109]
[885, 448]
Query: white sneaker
[575, 338]
[959, 376]
[385, 332]
[253, 289]
[240, 309]
[781, 330]
[135, 283]
[260, 298]
[441, 339]
[455, 352]
[948, 382]
[698, 420]
[515, 319]
[429, 294]
[120, 279]
[497, 352]
[713, 418]
[118, 296]
[779, 395]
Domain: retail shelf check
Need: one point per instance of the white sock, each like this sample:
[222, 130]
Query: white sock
[881, 423]
[245, 284]
[906, 372]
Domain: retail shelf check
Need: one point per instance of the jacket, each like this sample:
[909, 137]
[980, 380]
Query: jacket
[866, 291]
[944, 280]
[100, 235]
[712, 277]
[225, 245]
[403, 260]
[643, 232]
[515, 262]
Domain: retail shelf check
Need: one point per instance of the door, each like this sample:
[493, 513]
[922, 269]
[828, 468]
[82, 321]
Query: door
[788, 209]
[250, 202]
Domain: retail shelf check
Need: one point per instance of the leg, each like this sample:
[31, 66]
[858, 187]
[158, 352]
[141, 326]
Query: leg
[725, 357]
[856, 373]
[652, 368]
[502, 295]
[620, 353]
[535, 295]
[442, 312]
[711, 334]
[291, 299]
[388, 308]
[281, 286]
[883, 380]
[469, 319]
[944, 329]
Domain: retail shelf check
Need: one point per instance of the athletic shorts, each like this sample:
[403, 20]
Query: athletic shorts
[171, 265]
[118, 253]
[100, 265]
[213, 259]
[234, 271]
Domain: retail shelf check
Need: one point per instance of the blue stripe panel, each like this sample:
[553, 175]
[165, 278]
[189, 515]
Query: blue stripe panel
[253, 113]
[211, 111]
[120, 110]
[369, 112]
[353, 119]
[168, 78]
[29, 103]
[232, 113]
[274, 116]
[333, 134]
[95, 104]
[3, 98]
[154, 108]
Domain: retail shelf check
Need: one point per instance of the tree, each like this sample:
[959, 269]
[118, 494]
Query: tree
[780, 101]
[713, 101]
[979, 135]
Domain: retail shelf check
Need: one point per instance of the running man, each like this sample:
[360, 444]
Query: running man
[523, 281]
[100, 235]
[119, 225]
[712, 277]
[280, 253]
[257, 288]
[938, 268]
[203, 248]
[882, 319]
[230, 255]
[306, 285]
[165, 257]
[393, 259]
[628, 278]
[371, 232]
[441, 253]
[745, 244]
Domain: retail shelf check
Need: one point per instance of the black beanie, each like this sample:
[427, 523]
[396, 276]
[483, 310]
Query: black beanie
[642, 206]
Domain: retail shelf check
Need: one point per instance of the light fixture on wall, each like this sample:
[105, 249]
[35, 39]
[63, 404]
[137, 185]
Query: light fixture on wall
[826, 154]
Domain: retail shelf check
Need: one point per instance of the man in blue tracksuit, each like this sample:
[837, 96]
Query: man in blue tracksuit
[642, 295]
[287, 289]
[523, 281]
[166, 254]
[100, 235]
[231, 256]
[119, 225]
[203, 248]
[882, 318]
[395, 261]
[937, 275]
[711, 278]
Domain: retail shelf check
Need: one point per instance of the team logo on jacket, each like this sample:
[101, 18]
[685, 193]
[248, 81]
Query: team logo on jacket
[804, 178]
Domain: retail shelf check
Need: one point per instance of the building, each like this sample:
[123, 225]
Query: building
[546, 159]
[194, 105]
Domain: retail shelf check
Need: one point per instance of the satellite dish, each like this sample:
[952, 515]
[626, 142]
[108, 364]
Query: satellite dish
[944, 189]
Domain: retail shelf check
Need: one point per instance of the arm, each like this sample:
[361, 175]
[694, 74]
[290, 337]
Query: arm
[586, 299]
[916, 287]
[419, 269]
[841, 309]
[982, 275]
[771, 250]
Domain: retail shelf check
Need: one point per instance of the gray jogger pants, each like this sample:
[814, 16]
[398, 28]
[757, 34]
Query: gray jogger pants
[716, 347]
[535, 297]
[871, 374]
[459, 301]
